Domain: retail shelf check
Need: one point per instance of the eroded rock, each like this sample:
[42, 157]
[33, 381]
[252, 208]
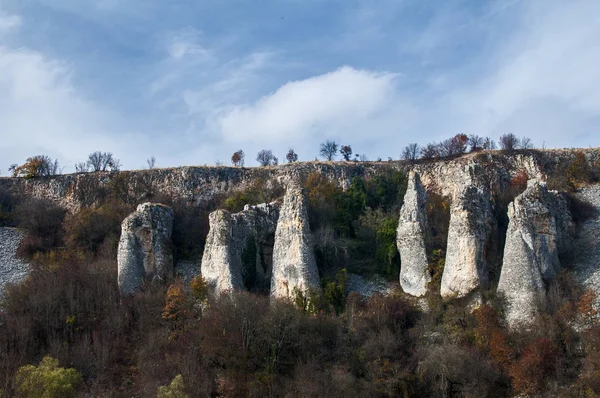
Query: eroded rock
[232, 238]
[539, 224]
[294, 265]
[410, 239]
[471, 223]
[145, 248]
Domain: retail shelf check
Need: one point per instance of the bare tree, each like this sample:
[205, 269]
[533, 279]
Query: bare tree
[275, 161]
[475, 142]
[238, 158]
[489, 144]
[101, 161]
[328, 150]
[151, 161]
[364, 158]
[265, 157]
[430, 151]
[526, 143]
[291, 156]
[411, 152]
[346, 151]
[82, 167]
[509, 142]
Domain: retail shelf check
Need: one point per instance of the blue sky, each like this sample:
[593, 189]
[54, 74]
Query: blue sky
[190, 81]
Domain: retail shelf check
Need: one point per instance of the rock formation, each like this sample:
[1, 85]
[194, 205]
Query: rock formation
[294, 265]
[470, 226]
[231, 238]
[12, 268]
[539, 223]
[410, 239]
[145, 247]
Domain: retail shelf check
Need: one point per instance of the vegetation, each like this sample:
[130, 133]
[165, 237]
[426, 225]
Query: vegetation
[266, 158]
[328, 150]
[47, 380]
[36, 166]
[237, 159]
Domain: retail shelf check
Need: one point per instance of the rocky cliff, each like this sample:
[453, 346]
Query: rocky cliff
[145, 248]
[539, 224]
[411, 236]
[239, 245]
[234, 237]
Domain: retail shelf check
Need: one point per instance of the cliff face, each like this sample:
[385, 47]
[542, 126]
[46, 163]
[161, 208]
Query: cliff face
[472, 184]
[145, 248]
[539, 224]
[411, 236]
[197, 185]
[230, 237]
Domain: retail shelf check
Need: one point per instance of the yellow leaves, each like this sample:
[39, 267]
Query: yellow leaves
[47, 380]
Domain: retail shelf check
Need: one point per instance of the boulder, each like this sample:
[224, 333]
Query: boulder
[470, 226]
[233, 237]
[294, 265]
[539, 224]
[145, 248]
[410, 239]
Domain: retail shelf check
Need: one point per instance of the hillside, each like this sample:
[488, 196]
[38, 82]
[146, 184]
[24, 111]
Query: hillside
[484, 260]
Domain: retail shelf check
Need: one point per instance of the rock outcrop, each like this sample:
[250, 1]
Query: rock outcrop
[145, 248]
[539, 223]
[471, 223]
[234, 237]
[410, 238]
[12, 268]
[294, 265]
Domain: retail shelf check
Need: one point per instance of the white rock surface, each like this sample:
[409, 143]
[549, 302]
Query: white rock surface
[145, 248]
[226, 240]
[536, 218]
[294, 265]
[13, 270]
[468, 233]
[410, 239]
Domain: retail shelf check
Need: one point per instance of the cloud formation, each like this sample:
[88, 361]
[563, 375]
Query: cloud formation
[191, 83]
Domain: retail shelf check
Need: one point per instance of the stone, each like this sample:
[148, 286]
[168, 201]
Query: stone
[410, 239]
[294, 264]
[538, 221]
[229, 237]
[145, 248]
[465, 270]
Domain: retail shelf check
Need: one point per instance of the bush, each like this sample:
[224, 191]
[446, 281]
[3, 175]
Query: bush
[43, 222]
[7, 207]
[47, 380]
[174, 390]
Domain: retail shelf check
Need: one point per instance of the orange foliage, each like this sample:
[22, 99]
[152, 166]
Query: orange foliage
[537, 363]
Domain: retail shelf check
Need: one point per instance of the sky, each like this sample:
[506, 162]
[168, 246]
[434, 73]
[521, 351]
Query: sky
[190, 82]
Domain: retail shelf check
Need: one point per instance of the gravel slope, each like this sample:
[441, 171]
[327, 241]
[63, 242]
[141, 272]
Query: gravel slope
[12, 269]
[586, 248]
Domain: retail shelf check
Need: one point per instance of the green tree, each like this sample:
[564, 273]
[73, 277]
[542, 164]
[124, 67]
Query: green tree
[174, 390]
[47, 380]
[335, 292]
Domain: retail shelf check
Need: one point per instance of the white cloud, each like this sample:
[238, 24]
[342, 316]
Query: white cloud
[335, 103]
[9, 22]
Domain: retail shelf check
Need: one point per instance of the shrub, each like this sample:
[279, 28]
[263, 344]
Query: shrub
[47, 380]
[7, 207]
[174, 390]
[335, 292]
[43, 222]
[36, 166]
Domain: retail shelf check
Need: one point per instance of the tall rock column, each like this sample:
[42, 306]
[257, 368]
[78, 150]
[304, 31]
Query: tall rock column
[229, 234]
[410, 239]
[470, 227]
[539, 223]
[294, 265]
[145, 248]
